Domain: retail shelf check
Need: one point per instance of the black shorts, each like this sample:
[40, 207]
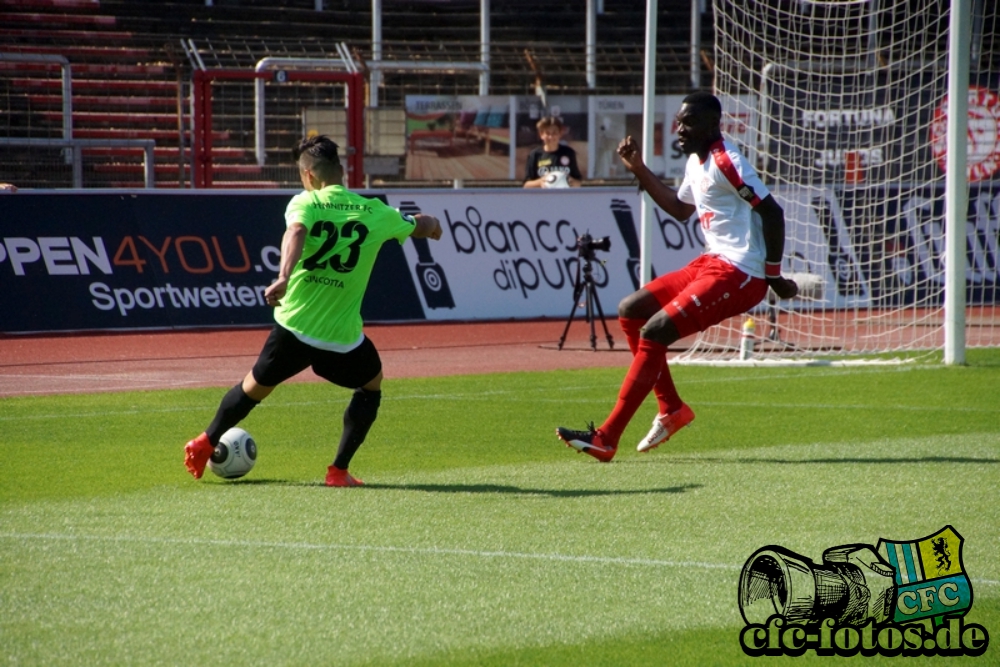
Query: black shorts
[285, 356]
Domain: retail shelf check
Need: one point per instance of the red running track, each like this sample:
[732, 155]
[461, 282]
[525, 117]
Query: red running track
[104, 362]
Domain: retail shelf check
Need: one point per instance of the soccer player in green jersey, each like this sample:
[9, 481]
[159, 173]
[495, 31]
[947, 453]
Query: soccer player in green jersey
[331, 240]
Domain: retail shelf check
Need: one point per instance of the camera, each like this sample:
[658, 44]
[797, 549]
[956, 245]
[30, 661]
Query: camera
[852, 584]
[583, 283]
[586, 245]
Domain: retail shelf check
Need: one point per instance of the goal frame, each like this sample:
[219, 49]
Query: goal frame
[201, 95]
[952, 315]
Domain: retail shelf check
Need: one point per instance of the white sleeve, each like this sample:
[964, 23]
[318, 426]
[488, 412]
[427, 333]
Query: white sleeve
[684, 192]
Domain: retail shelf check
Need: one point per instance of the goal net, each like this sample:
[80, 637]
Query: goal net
[847, 101]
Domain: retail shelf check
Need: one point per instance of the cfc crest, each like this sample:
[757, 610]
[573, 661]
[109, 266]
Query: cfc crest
[931, 582]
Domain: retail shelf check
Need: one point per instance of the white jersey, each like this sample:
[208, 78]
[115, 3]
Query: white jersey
[724, 189]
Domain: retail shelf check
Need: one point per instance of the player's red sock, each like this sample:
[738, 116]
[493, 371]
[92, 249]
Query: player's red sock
[649, 360]
[631, 327]
[667, 397]
[666, 393]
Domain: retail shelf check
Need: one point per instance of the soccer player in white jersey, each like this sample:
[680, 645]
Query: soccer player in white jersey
[744, 229]
[332, 237]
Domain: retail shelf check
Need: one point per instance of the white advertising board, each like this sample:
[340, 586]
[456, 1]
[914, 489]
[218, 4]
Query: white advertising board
[516, 255]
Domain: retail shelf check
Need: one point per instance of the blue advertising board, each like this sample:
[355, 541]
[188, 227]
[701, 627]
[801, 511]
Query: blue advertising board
[84, 261]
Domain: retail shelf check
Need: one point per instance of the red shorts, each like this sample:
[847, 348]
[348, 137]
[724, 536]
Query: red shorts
[706, 292]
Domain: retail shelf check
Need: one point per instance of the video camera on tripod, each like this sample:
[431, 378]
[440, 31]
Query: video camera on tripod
[586, 248]
[587, 245]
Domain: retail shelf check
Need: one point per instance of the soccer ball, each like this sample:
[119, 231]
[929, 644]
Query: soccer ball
[235, 454]
[556, 179]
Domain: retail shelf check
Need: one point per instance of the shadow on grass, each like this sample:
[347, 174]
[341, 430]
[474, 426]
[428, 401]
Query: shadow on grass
[479, 488]
[516, 490]
[257, 481]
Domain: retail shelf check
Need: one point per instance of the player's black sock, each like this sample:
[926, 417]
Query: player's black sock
[358, 418]
[233, 409]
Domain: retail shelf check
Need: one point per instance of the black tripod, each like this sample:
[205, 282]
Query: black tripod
[584, 281]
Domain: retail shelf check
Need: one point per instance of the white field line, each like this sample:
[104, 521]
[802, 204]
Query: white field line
[144, 384]
[428, 551]
[499, 395]
[423, 551]
[126, 378]
[420, 551]
[133, 386]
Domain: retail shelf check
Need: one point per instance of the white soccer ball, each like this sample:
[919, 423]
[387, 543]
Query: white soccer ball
[556, 179]
[235, 455]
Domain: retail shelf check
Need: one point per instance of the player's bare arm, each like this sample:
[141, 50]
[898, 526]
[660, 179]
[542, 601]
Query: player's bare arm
[428, 227]
[772, 218]
[291, 250]
[665, 197]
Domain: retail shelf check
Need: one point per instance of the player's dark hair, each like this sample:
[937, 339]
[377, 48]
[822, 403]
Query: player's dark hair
[704, 102]
[319, 155]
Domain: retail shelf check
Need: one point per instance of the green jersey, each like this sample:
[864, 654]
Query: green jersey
[344, 232]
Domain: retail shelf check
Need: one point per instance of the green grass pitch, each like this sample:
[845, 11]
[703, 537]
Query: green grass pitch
[479, 539]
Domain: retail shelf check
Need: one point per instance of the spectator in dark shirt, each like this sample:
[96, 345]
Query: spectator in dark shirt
[553, 164]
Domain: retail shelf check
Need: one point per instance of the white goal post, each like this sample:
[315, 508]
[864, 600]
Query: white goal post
[892, 208]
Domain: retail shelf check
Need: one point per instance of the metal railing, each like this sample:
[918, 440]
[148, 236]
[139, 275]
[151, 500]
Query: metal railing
[76, 147]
